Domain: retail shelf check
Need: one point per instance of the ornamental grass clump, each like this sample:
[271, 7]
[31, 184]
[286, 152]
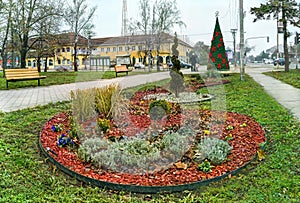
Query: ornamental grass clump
[213, 149]
[83, 104]
[105, 99]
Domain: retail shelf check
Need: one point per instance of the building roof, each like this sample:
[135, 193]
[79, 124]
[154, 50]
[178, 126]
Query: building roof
[69, 37]
[136, 39]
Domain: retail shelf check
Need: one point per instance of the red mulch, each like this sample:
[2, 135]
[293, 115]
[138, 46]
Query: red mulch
[246, 136]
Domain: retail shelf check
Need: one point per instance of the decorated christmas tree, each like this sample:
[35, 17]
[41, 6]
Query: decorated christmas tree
[217, 56]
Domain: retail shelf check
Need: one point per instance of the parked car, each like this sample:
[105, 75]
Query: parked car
[279, 61]
[182, 63]
[269, 61]
[185, 65]
[139, 65]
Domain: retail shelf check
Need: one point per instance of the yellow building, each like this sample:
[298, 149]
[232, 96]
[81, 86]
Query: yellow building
[101, 52]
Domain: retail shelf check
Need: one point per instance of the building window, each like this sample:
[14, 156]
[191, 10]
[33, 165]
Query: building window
[133, 48]
[120, 48]
[108, 49]
[114, 49]
[140, 48]
[102, 49]
[50, 62]
[63, 50]
[68, 61]
[58, 61]
[29, 63]
[68, 49]
[58, 50]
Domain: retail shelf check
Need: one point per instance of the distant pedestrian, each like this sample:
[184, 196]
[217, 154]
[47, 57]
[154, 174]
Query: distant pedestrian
[193, 61]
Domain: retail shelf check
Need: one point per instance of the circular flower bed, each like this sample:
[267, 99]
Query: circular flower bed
[236, 136]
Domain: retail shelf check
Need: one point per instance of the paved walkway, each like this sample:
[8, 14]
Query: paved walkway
[286, 95]
[12, 100]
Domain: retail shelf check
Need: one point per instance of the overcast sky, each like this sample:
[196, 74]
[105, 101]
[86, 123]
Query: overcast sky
[199, 17]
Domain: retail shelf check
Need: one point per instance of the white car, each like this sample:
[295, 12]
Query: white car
[139, 65]
[269, 61]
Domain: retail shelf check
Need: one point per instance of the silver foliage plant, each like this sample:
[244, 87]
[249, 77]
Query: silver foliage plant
[134, 155]
[213, 149]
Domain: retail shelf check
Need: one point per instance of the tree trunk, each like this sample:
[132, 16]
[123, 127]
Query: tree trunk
[46, 62]
[38, 64]
[75, 57]
[4, 62]
[23, 53]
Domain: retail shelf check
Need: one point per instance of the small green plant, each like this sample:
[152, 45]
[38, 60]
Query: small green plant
[159, 108]
[205, 166]
[243, 125]
[103, 124]
[57, 128]
[213, 149]
[228, 137]
[230, 127]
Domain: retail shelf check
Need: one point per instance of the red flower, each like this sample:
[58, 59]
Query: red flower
[213, 59]
[219, 65]
[223, 60]
[221, 39]
[219, 45]
[213, 48]
[217, 34]
[219, 56]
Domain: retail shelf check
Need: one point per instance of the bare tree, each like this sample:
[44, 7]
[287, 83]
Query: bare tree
[25, 18]
[163, 17]
[6, 12]
[43, 44]
[78, 17]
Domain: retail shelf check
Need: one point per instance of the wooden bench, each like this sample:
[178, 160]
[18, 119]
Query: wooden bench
[13, 75]
[121, 69]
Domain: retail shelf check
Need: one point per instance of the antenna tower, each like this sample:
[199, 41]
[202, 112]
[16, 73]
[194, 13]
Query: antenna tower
[124, 19]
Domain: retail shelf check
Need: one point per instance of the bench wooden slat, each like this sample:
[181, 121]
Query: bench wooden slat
[13, 75]
[121, 69]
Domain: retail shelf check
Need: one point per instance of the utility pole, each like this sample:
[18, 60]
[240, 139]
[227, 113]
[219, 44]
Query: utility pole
[233, 31]
[242, 68]
[124, 19]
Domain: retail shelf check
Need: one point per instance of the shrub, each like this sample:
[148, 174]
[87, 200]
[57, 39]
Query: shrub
[213, 149]
[134, 155]
[159, 108]
[177, 80]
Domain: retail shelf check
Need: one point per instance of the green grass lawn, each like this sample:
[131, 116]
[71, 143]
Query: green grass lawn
[58, 78]
[25, 175]
[292, 77]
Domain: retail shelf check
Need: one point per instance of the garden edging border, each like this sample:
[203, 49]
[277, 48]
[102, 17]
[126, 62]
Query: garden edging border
[138, 188]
